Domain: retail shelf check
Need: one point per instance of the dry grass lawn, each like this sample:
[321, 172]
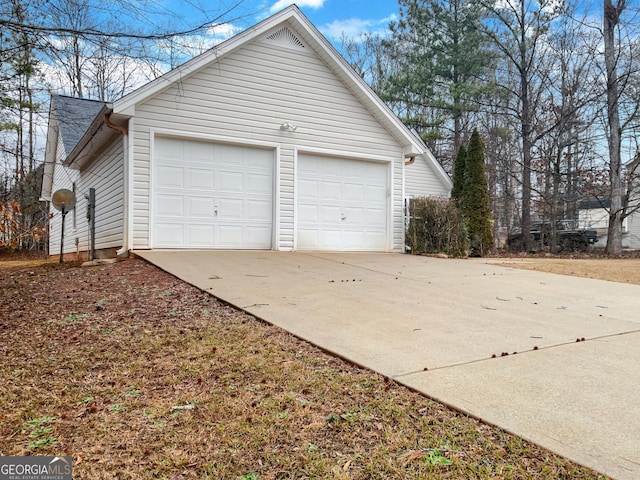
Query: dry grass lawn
[137, 375]
[624, 270]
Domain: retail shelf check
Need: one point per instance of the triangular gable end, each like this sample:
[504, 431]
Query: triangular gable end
[302, 35]
[284, 37]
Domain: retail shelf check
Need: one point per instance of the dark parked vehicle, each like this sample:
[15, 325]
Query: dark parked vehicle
[569, 236]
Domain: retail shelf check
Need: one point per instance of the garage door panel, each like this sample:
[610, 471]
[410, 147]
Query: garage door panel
[209, 195]
[354, 216]
[308, 236]
[308, 214]
[374, 193]
[372, 239]
[330, 214]
[332, 239]
[307, 167]
[170, 205]
[259, 183]
[200, 235]
[169, 234]
[373, 216]
[200, 179]
[353, 170]
[198, 152]
[168, 147]
[375, 174]
[230, 236]
[349, 209]
[353, 191]
[329, 167]
[353, 238]
[331, 190]
[230, 209]
[258, 210]
[258, 159]
[230, 182]
[308, 188]
[169, 177]
[256, 235]
[229, 155]
[201, 207]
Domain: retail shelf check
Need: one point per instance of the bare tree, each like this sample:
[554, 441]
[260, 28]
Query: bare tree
[622, 68]
[519, 29]
[611, 21]
[96, 57]
[367, 55]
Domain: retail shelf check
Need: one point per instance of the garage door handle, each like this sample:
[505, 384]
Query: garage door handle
[215, 210]
[344, 217]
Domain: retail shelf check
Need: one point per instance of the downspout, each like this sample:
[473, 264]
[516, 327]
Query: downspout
[123, 251]
[404, 201]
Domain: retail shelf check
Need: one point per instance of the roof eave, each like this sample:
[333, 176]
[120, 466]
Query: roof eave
[91, 140]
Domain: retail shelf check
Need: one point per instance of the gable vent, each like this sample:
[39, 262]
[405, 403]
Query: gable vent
[285, 38]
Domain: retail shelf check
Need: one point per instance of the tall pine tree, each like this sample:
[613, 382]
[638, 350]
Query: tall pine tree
[475, 199]
[457, 192]
[440, 59]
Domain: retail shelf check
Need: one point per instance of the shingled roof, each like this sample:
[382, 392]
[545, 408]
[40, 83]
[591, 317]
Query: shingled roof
[74, 116]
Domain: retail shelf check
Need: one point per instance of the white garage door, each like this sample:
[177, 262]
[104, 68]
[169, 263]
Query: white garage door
[208, 195]
[341, 204]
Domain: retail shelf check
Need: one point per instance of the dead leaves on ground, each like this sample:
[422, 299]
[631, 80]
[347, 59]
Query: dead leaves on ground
[264, 402]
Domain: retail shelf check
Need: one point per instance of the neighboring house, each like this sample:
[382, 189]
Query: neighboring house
[267, 141]
[594, 214]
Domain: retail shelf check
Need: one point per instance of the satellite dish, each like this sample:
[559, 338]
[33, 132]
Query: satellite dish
[64, 200]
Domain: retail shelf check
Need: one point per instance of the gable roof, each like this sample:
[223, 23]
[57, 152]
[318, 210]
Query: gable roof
[71, 121]
[74, 117]
[293, 17]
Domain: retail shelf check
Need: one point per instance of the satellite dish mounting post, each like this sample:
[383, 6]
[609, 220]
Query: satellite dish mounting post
[63, 200]
[64, 214]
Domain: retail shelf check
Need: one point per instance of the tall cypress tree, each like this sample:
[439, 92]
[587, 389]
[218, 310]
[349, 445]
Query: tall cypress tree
[475, 199]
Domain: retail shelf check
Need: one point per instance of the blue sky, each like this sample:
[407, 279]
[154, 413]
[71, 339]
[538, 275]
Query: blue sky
[353, 17]
[332, 17]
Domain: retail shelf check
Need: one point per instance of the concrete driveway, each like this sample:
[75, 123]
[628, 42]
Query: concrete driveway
[435, 325]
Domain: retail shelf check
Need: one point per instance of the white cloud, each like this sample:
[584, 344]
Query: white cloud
[280, 4]
[223, 31]
[356, 27]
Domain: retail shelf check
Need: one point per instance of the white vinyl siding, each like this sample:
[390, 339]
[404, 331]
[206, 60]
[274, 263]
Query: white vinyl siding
[632, 238]
[422, 180]
[247, 96]
[106, 175]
